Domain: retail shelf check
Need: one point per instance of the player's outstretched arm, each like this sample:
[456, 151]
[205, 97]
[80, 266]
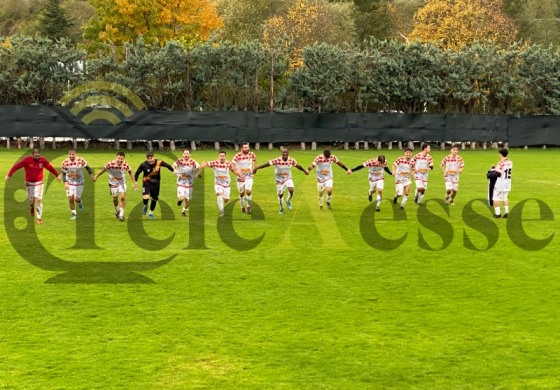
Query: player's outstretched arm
[388, 170]
[101, 172]
[357, 168]
[302, 169]
[90, 171]
[340, 164]
[12, 170]
[237, 172]
[52, 169]
[137, 173]
[170, 167]
[134, 183]
[267, 164]
[201, 167]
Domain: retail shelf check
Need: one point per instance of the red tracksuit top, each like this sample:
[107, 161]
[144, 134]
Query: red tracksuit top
[33, 169]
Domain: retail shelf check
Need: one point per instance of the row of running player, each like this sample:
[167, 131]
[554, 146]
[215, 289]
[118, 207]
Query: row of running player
[244, 166]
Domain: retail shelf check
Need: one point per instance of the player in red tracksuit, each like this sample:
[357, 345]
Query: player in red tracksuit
[34, 166]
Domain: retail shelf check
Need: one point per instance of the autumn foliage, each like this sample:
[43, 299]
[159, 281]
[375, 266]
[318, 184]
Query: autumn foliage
[456, 23]
[119, 21]
[307, 22]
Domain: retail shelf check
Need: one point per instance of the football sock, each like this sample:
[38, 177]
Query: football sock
[506, 209]
[153, 205]
[497, 210]
[378, 200]
[39, 211]
[404, 199]
[220, 201]
[145, 201]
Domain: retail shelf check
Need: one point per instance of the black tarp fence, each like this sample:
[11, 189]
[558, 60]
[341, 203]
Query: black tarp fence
[239, 126]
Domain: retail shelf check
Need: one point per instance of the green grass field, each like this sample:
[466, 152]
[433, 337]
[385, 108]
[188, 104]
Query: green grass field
[312, 299]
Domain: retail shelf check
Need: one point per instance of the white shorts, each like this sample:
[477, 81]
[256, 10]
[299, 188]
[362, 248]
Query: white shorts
[34, 190]
[500, 196]
[246, 185]
[420, 183]
[280, 187]
[75, 190]
[184, 192]
[376, 185]
[399, 187]
[451, 185]
[116, 190]
[325, 184]
[222, 191]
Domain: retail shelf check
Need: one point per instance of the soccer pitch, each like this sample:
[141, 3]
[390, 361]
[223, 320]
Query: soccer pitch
[427, 297]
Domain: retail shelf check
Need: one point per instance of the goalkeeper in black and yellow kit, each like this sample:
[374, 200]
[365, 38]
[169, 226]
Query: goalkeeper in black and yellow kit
[151, 168]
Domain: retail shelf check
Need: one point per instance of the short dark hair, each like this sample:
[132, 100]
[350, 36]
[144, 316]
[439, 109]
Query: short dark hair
[121, 154]
[381, 158]
[408, 149]
[327, 153]
[149, 153]
[425, 145]
[504, 152]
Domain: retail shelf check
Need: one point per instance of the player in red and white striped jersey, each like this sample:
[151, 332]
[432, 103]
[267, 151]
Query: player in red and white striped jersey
[452, 166]
[422, 163]
[283, 174]
[221, 168]
[116, 170]
[186, 170]
[33, 166]
[73, 178]
[246, 162]
[376, 167]
[402, 170]
[324, 163]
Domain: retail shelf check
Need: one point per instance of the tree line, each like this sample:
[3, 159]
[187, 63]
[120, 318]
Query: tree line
[333, 21]
[377, 76]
